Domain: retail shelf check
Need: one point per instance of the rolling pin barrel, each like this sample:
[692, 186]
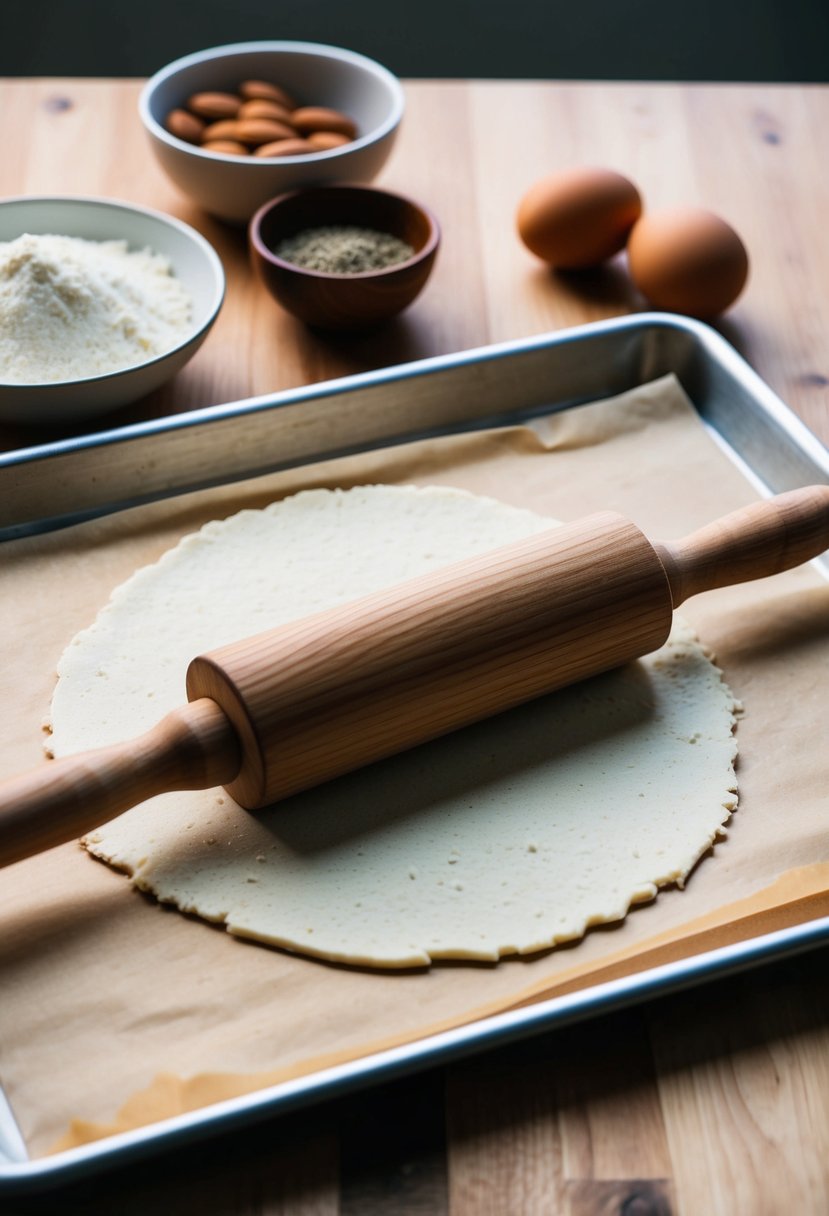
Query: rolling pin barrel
[332, 692]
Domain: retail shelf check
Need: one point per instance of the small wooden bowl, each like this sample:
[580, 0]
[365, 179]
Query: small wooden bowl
[343, 301]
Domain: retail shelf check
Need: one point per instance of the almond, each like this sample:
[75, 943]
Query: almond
[214, 105]
[284, 147]
[262, 131]
[319, 118]
[230, 147]
[184, 126]
[324, 141]
[259, 108]
[254, 90]
[226, 129]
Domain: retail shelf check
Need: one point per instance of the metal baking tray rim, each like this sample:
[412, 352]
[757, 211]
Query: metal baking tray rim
[791, 456]
[55, 484]
[497, 1030]
[703, 333]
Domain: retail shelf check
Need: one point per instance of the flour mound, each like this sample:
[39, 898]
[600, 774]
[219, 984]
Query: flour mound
[72, 309]
[508, 837]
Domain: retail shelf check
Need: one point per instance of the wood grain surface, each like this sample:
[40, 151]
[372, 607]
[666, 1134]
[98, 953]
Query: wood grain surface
[714, 1101]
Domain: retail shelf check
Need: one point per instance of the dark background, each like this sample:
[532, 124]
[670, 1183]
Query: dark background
[728, 40]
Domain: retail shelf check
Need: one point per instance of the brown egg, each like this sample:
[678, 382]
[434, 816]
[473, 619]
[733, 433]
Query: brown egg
[578, 217]
[687, 260]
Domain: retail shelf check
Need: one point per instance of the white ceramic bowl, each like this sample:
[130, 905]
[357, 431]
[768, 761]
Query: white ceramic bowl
[234, 187]
[193, 260]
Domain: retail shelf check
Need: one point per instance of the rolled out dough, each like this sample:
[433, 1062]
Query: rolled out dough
[510, 836]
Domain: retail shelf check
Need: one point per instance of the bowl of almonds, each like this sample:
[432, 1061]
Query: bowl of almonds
[237, 125]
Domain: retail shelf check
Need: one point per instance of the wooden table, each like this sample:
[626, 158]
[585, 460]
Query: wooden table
[714, 1101]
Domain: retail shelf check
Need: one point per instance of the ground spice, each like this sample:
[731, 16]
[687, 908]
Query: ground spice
[343, 249]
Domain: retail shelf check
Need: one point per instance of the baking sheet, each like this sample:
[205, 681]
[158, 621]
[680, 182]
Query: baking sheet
[76, 946]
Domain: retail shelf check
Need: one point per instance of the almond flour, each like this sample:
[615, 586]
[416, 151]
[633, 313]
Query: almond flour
[71, 309]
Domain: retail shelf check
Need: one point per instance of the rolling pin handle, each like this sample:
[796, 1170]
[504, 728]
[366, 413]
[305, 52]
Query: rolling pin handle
[764, 538]
[194, 747]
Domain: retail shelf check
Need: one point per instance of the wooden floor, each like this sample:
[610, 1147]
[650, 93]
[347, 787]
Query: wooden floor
[592, 1120]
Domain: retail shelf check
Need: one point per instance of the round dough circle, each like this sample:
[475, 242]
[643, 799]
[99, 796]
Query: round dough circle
[507, 837]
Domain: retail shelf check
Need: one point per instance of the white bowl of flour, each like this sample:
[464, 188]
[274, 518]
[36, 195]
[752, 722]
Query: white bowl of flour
[100, 303]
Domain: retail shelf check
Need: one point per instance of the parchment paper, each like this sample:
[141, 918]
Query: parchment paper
[110, 1003]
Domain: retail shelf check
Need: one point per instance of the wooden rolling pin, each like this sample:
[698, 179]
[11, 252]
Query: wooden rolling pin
[308, 701]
